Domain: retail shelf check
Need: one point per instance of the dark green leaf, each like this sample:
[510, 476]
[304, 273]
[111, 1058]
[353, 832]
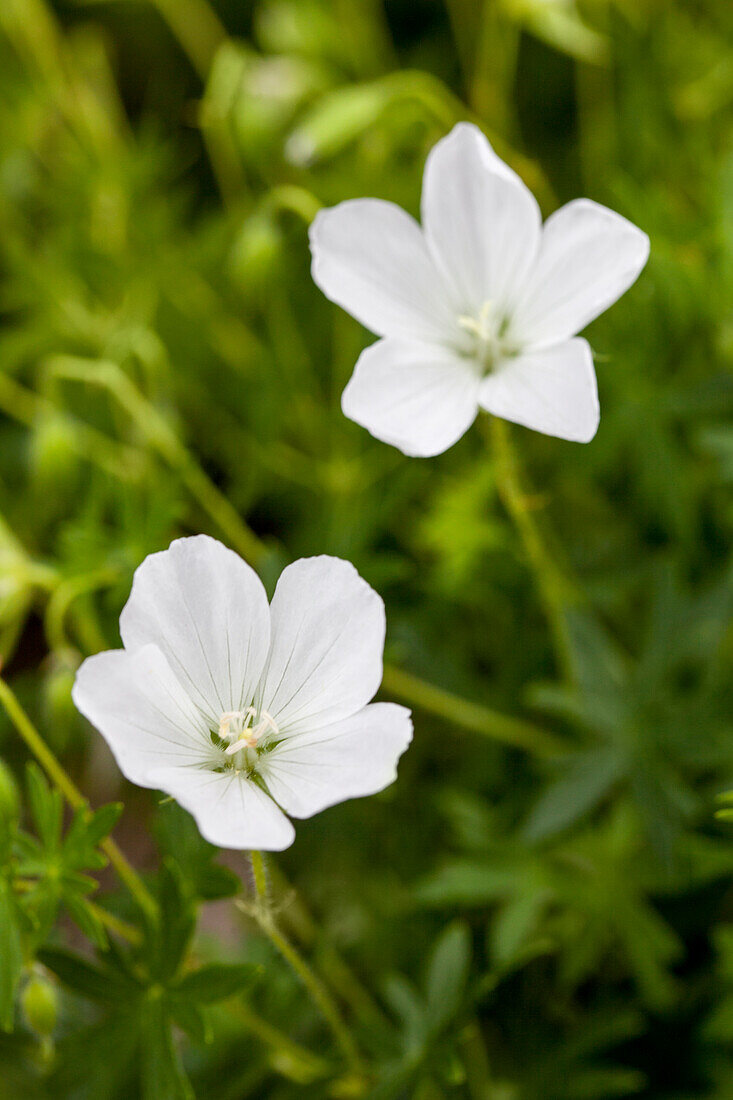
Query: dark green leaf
[46, 807]
[98, 984]
[162, 1075]
[216, 981]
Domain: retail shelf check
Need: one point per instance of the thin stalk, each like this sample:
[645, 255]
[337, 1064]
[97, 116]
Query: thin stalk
[62, 781]
[269, 1035]
[555, 590]
[323, 1000]
[62, 598]
[341, 977]
[502, 728]
[198, 29]
[161, 436]
[29, 408]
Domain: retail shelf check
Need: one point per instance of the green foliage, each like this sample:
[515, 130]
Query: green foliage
[503, 923]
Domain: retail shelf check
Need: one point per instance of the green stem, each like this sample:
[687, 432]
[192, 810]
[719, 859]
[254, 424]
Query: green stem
[162, 437]
[514, 732]
[64, 595]
[197, 28]
[338, 972]
[28, 408]
[297, 200]
[300, 1056]
[125, 871]
[555, 590]
[325, 1003]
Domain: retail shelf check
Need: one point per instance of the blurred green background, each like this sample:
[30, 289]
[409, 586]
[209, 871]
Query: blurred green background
[168, 367]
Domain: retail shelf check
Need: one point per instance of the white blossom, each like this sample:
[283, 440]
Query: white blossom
[241, 711]
[479, 307]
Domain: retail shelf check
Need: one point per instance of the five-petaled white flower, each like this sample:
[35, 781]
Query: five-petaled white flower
[239, 710]
[477, 309]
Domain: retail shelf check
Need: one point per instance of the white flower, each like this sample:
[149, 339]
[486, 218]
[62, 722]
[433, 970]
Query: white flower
[476, 308]
[239, 710]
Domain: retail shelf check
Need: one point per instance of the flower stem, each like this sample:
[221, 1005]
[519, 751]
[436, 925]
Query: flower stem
[341, 977]
[480, 719]
[555, 590]
[125, 871]
[328, 1008]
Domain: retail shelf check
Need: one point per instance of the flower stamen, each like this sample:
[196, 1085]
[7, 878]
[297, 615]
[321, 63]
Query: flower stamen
[236, 726]
[489, 330]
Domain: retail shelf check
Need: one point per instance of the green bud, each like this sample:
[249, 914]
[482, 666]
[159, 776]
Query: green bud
[269, 93]
[338, 118]
[9, 797]
[39, 1005]
[305, 27]
[254, 260]
[53, 456]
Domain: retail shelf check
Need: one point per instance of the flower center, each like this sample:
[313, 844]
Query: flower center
[243, 735]
[488, 333]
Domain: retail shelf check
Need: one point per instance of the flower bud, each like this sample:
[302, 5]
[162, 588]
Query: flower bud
[338, 118]
[255, 256]
[39, 1005]
[53, 456]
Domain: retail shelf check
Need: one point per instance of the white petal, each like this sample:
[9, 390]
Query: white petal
[370, 258]
[349, 759]
[325, 661]
[207, 612]
[141, 710]
[230, 811]
[418, 397]
[481, 222]
[552, 391]
[588, 258]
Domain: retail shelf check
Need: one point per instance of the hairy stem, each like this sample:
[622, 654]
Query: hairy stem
[323, 1000]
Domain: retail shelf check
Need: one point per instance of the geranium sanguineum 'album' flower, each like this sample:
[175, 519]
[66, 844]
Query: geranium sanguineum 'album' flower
[478, 307]
[241, 710]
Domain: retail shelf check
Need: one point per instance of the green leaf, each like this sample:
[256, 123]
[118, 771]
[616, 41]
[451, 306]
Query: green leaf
[586, 779]
[46, 807]
[448, 973]
[190, 1018]
[11, 955]
[85, 918]
[216, 981]
[87, 829]
[162, 1075]
[96, 983]
[169, 940]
